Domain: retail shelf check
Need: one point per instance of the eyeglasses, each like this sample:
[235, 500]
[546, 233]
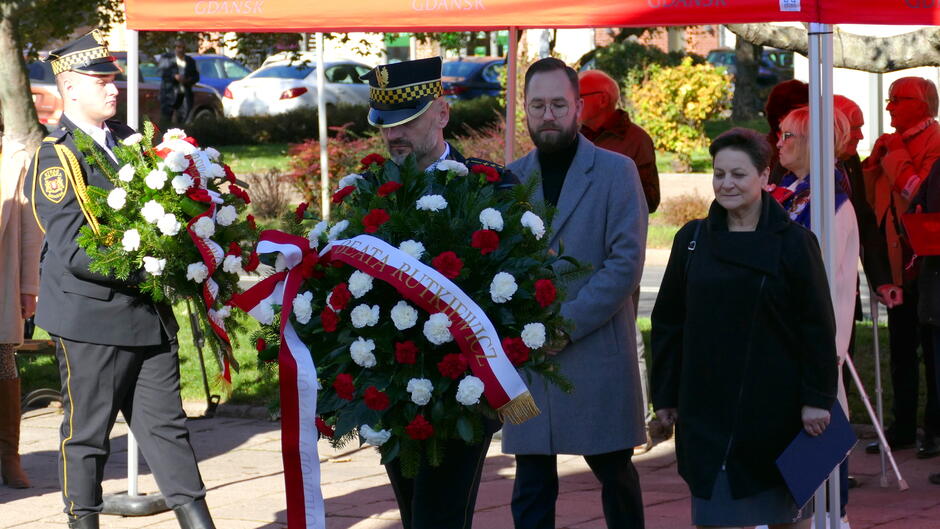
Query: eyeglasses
[786, 136]
[538, 108]
[898, 99]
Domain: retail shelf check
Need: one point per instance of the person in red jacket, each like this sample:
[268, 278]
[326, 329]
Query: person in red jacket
[898, 165]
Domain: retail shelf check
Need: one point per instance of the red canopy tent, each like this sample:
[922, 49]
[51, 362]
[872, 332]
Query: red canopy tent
[452, 15]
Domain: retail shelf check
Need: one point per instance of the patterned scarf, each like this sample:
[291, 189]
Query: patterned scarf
[795, 199]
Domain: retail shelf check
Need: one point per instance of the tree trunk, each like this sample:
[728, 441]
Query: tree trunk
[746, 104]
[16, 104]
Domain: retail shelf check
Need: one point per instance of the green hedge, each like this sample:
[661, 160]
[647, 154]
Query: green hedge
[302, 124]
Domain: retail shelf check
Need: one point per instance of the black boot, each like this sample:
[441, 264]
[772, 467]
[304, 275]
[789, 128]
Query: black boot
[194, 515]
[89, 521]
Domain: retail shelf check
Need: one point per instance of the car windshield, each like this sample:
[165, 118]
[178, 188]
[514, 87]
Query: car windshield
[284, 71]
[459, 68]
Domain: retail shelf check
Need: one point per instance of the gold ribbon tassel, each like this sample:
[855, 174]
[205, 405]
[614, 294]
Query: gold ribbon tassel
[519, 410]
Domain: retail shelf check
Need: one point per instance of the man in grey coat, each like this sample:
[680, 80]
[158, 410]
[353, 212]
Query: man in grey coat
[601, 220]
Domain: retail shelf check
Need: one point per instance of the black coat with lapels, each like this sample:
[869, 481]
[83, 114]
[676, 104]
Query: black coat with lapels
[742, 340]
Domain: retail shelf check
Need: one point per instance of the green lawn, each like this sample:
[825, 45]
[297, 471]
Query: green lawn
[248, 159]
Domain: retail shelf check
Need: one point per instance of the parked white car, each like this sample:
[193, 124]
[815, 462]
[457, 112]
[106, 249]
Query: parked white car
[280, 87]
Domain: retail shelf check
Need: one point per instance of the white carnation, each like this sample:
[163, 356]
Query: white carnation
[469, 390]
[154, 266]
[117, 198]
[152, 211]
[126, 173]
[315, 233]
[364, 316]
[533, 335]
[372, 437]
[437, 329]
[216, 171]
[212, 153]
[491, 219]
[232, 264]
[181, 183]
[174, 134]
[431, 203]
[303, 307]
[169, 225]
[131, 240]
[361, 352]
[197, 272]
[534, 223]
[404, 316]
[222, 313]
[133, 139]
[264, 312]
[503, 287]
[155, 179]
[359, 283]
[348, 180]
[226, 215]
[337, 229]
[453, 165]
[176, 161]
[420, 389]
[412, 248]
[204, 227]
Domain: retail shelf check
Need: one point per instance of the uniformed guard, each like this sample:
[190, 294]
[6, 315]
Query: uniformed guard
[406, 104]
[116, 348]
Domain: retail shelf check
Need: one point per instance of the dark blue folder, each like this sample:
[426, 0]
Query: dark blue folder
[808, 461]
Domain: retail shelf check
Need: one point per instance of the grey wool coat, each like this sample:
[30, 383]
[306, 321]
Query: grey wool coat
[601, 220]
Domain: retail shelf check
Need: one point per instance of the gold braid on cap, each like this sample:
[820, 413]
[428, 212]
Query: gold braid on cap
[403, 94]
[79, 59]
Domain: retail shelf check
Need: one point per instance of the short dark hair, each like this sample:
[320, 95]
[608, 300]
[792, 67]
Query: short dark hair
[551, 64]
[750, 142]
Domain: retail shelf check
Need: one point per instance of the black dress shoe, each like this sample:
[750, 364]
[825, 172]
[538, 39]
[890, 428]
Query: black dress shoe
[194, 515]
[929, 448]
[934, 478]
[89, 521]
[853, 482]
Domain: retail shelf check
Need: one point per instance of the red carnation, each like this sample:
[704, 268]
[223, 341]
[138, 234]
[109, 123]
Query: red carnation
[448, 264]
[485, 240]
[419, 429]
[375, 399]
[234, 248]
[299, 212]
[406, 352]
[388, 188]
[374, 219]
[545, 292]
[324, 428]
[452, 365]
[516, 350]
[308, 265]
[192, 141]
[371, 159]
[342, 193]
[240, 193]
[340, 296]
[253, 262]
[261, 345]
[344, 386]
[492, 175]
[251, 223]
[199, 195]
[329, 319]
[229, 174]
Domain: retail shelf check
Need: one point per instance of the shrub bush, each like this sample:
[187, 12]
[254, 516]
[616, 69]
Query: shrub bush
[673, 105]
[628, 61]
[678, 211]
[489, 143]
[270, 194]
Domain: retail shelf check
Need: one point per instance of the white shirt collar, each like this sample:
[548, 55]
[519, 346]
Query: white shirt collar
[98, 134]
[443, 157]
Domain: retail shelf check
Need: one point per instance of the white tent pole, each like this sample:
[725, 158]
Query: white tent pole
[511, 89]
[321, 117]
[133, 121]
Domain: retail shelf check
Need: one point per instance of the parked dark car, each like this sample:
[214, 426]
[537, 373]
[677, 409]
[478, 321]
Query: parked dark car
[472, 77]
[206, 101]
[775, 65]
[217, 71]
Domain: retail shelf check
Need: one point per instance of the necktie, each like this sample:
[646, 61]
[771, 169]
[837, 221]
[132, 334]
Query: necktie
[109, 140]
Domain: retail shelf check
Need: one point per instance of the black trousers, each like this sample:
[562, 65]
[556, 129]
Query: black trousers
[536, 490]
[906, 336]
[441, 497]
[143, 383]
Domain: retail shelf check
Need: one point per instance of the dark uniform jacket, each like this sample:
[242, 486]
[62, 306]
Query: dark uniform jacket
[928, 306]
[742, 340]
[75, 303]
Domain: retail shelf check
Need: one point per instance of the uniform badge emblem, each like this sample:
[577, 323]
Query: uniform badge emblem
[53, 184]
[382, 76]
[99, 38]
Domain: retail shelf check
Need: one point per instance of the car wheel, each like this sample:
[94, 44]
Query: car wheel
[203, 114]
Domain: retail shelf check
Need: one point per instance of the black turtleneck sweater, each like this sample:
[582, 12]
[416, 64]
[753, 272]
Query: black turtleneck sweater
[554, 168]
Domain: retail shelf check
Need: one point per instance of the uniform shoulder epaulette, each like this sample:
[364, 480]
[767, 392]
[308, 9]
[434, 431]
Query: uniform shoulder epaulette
[56, 135]
[480, 161]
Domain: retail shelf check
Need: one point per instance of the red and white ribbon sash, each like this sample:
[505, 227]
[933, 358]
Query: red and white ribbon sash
[298, 381]
[473, 331]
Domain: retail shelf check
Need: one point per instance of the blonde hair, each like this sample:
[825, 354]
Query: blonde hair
[798, 119]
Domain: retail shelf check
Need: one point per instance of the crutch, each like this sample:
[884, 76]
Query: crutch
[879, 392]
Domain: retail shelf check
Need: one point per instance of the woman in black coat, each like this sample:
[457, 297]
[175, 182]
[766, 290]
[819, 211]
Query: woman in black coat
[743, 344]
